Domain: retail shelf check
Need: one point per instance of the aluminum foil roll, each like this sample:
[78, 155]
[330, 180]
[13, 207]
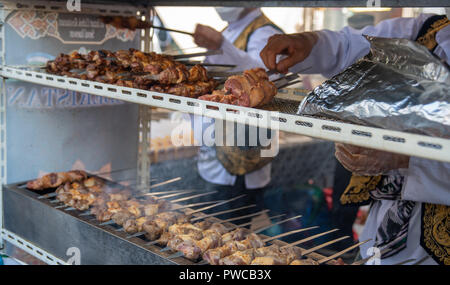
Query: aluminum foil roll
[400, 86]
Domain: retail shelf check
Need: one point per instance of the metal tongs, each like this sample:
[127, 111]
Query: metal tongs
[286, 80]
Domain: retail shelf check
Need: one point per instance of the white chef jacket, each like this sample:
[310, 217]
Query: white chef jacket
[426, 181]
[209, 166]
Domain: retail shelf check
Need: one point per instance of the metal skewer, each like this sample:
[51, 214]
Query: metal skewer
[341, 252]
[172, 30]
[191, 63]
[210, 52]
[288, 84]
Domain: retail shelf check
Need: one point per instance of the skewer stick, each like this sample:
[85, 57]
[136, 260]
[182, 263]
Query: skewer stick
[309, 238]
[249, 223]
[288, 233]
[163, 192]
[245, 216]
[165, 182]
[216, 205]
[196, 204]
[221, 213]
[341, 252]
[192, 197]
[277, 223]
[324, 245]
[175, 194]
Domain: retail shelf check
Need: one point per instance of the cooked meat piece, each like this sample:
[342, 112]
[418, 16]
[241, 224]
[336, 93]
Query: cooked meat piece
[53, 180]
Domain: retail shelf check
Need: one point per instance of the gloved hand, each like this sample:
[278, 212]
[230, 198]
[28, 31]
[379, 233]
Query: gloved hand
[368, 162]
[207, 37]
[297, 47]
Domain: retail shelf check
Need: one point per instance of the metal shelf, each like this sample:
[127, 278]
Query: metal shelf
[30, 248]
[376, 138]
[302, 3]
[253, 3]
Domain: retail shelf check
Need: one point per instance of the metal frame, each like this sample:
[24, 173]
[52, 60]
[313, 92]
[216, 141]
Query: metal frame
[30, 248]
[102, 5]
[302, 3]
[423, 146]
[144, 133]
[3, 152]
[376, 138]
[122, 8]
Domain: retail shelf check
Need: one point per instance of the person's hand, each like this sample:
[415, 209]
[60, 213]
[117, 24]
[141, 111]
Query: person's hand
[366, 162]
[207, 37]
[297, 47]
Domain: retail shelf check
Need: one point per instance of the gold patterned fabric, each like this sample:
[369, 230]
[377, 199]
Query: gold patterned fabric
[242, 40]
[427, 35]
[239, 161]
[358, 189]
[435, 234]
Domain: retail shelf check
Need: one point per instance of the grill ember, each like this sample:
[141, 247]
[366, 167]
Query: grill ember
[156, 218]
[135, 69]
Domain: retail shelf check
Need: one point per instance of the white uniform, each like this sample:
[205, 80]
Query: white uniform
[425, 181]
[210, 169]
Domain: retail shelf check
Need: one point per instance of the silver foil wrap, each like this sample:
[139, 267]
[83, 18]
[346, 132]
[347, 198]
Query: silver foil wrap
[399, 85]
